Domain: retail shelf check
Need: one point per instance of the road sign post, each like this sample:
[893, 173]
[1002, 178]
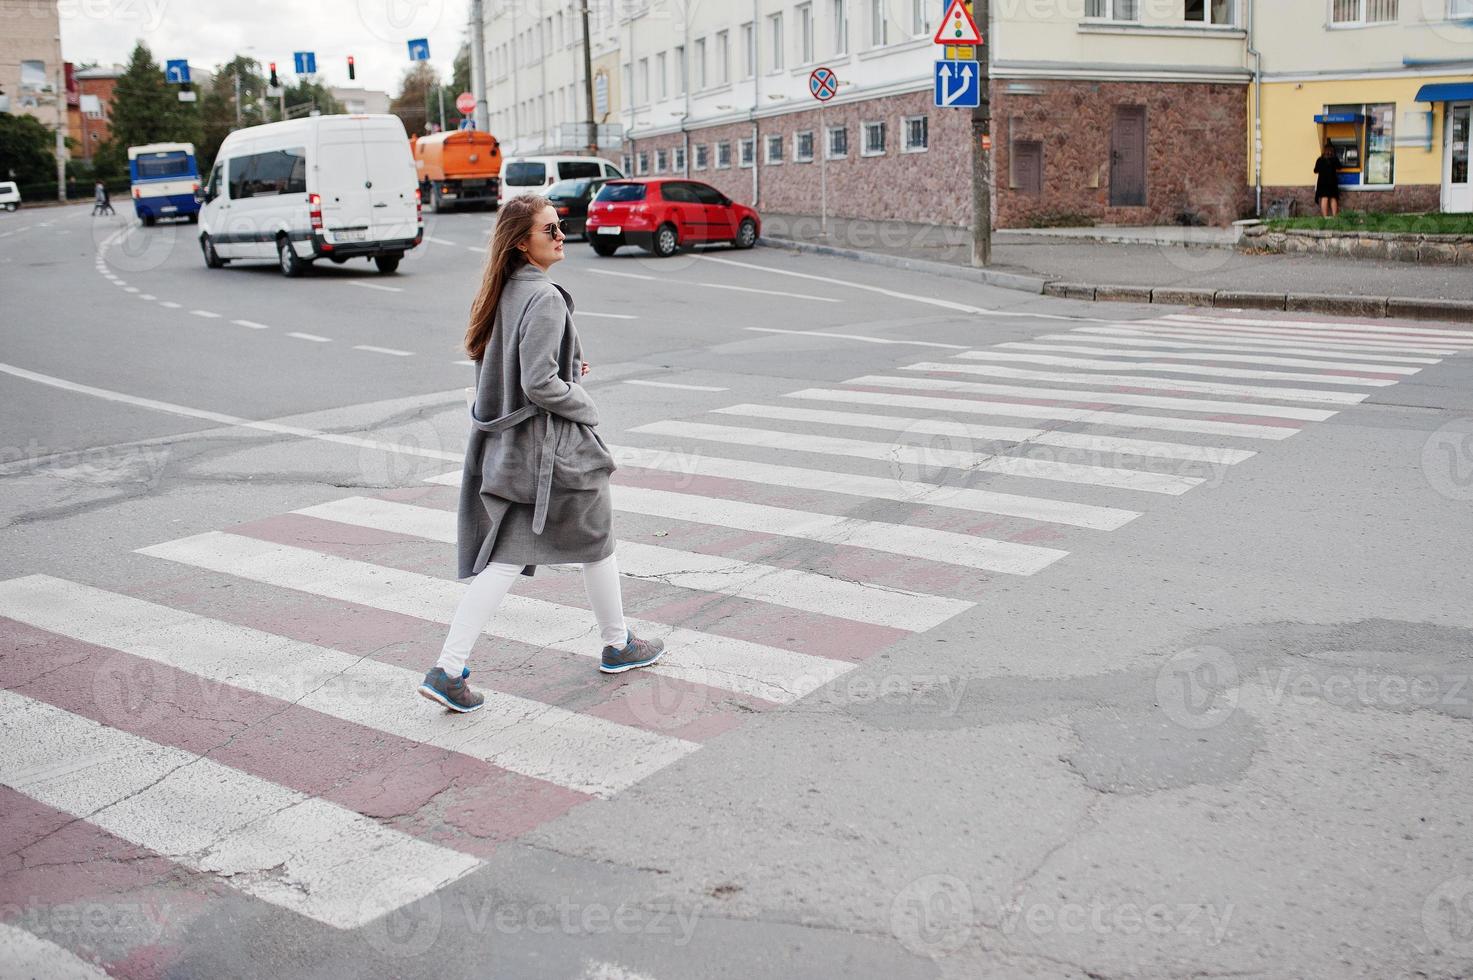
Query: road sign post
[824, 85]
[963, 81]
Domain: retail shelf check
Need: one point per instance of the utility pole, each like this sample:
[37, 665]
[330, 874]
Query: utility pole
[982, 145]
[441, 89]
[478, 66]
[60, 127]
[588, 82]
[237, 95]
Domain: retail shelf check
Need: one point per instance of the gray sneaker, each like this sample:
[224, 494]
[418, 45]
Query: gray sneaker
[453, 693]
[636, 653]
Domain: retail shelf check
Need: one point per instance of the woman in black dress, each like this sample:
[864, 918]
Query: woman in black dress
[1327, 182]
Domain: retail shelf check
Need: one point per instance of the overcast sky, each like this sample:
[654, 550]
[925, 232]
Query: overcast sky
[211, 32]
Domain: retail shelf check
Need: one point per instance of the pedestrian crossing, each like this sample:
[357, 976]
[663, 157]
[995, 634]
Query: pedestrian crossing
[775, 546]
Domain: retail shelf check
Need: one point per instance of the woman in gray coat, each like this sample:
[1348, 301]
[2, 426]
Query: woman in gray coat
[535, 487]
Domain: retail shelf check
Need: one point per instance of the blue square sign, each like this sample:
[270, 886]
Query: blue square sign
[306, 62]
[419, 49]
[176, 71]
[958, 84]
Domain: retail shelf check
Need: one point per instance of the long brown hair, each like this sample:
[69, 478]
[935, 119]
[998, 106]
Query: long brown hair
[513, 225]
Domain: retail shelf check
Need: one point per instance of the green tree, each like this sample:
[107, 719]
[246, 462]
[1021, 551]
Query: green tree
[308, 92]
[27, 150]
[146, 108]
[416, 90]
[218, 113]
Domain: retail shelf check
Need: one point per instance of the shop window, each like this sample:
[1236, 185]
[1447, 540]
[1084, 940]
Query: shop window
[1353, 12]
[1218, 13]
[1027, 167]
[1380, 140]
[1112, 9]
[1366, 147]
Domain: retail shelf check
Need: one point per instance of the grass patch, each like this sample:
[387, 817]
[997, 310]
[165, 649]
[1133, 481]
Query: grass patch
[1353, 221]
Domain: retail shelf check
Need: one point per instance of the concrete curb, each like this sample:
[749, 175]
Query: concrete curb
[1401, 307]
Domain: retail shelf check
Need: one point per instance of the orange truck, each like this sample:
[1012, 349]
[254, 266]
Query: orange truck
[460, 166]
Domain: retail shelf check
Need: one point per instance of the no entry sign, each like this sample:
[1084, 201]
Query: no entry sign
[466, 103]
[823, 83]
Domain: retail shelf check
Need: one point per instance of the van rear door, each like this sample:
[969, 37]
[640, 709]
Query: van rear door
[393, 215]
[343, 182]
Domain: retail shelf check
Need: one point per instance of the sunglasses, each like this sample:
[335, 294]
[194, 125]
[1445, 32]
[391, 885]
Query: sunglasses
[555, 232]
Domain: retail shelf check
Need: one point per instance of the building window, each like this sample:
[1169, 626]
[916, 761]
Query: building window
[775, 39]
[1219, 13]
[748, 151]
[644, 162]
[1352, 12]
[917, 134]
[626, 167]
[1027, 167]
[874, 139]
[700, 80]
[879, 30]
[723, 155]
[723, 57]
[774, 150]
[642, 92]
[803, 147]
[680, 70]
[805, 33]
[702, 155]
[838, 142]
[922, 13]
[749, 49]
[839, 18]
[662, 79]
[1459, 8]
[678, 163]
[1128, 10]
[1377, 163]
[662, 161]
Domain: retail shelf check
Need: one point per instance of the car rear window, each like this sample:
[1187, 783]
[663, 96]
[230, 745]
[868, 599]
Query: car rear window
[574, 169]
[616, 193]
[525, 174]
[570, 189]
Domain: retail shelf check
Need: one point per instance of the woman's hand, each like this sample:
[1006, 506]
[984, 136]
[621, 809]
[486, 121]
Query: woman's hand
[585, 370]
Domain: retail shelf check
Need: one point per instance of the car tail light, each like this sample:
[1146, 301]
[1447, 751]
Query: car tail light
[314, 210]
[137, 192]
[564, 211]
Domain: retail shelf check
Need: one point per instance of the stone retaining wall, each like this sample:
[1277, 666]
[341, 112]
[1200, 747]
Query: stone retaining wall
[1426, 249]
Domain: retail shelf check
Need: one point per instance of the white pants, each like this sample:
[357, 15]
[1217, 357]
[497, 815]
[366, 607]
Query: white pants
[484, 595]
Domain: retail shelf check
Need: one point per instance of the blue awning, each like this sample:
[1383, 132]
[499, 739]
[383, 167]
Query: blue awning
[1446, 92]
[1339, 117]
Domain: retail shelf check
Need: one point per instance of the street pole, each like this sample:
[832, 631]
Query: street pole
[588, 82]
[981, 141]
[237, 95]
[60, 129]
[441, 90]
[478, 66]
[822, 150]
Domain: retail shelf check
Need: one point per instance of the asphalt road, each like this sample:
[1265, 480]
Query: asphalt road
[1009, 636]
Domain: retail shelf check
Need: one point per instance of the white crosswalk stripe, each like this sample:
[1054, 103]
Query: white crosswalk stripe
[581, 752]
[1156, 329]
[1101, 397]
[26, 955]
[1329, 341]
[1118, 350]
[1097, 364]
[1316, 326]
[690, 570]
[776, 675]
[1141, 381]
[315, 858]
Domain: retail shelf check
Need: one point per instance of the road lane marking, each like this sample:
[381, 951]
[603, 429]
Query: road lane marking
[577, 751]
[625, 275]
[374, 285]
[859, 337]
[475, 248]
[672, 384]
[1099, 397]
[791, 588]
[250, 323]
[303, 854]
[439, 241]
[1329, 376]
[928, 544]
[384, 350]
[606, 316]
[465, 363]
[206, 314]
[1143, 381]
[1186, 333]
[1315, 326]
[168, 305]
[310, 336]
[780, 676]
[1121, 347]
[969, 431]
[768, 292]
[131, 289]
[985, 459]
[1317, 338]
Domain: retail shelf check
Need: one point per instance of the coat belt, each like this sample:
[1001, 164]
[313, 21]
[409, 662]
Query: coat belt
[545, 457]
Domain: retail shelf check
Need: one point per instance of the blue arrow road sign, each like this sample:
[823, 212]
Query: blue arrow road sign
[958, 84]
[419, 49]
[306, 62]
[177, 71]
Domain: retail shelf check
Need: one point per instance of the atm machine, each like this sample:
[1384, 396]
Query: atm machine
[1346, 132]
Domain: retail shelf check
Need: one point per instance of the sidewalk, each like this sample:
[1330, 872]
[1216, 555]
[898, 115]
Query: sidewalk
[1084, 264]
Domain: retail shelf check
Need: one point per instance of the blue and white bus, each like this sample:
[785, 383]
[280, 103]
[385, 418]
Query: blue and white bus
[165, 181]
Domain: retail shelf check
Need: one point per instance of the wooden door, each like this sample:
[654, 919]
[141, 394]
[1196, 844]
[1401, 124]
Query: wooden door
[1128, 158]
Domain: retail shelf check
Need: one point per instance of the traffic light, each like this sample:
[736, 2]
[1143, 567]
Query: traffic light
[352, 72]
[274, 82]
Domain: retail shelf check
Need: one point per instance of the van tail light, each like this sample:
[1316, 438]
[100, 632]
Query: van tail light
[196, 187]
[137, 192]
[419, 206]
[314, 210]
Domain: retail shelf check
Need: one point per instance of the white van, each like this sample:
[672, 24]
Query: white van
[324, 187]
[534, 175]
[9, 195]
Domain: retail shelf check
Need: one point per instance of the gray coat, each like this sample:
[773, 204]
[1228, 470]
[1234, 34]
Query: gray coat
[535, 488]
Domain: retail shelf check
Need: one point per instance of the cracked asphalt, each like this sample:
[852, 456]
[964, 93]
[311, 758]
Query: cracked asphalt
[1229, 738]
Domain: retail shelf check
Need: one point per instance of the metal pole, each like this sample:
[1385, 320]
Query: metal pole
[237, 95]
[60, 128]
[982, 158]
[441, 90]
[588, 83]
[823, 172]
[478, 66]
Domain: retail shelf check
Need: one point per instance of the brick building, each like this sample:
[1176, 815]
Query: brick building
[88, 119]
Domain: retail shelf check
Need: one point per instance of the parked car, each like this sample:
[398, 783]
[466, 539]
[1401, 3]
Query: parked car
[534, 175]
[325, 187]
[571, 199]
[9, 195]
[664, 214]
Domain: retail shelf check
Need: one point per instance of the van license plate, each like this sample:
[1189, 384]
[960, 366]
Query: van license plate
[356, 235]
[167, 208]
[611, 230]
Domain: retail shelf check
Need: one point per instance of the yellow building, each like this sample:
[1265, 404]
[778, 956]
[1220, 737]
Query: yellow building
[1388, 82]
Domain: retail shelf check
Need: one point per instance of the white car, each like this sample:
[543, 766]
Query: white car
[534, 175]
[9, 195]
[325, 187]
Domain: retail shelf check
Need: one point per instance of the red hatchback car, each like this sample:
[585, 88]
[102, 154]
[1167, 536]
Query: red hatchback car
[664, 214]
